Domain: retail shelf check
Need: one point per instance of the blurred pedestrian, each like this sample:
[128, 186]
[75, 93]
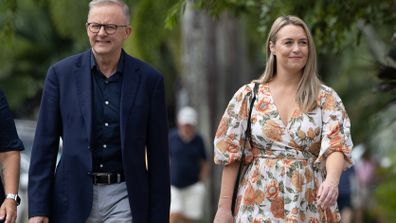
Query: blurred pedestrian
[189, 167]
[365, 172]
[10, 147]
[344, 200]
[299, 131]
[109, 109]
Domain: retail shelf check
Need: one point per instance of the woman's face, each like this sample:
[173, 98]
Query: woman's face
[291, 49]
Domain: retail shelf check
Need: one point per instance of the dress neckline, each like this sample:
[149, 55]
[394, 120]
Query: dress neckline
[289, 118]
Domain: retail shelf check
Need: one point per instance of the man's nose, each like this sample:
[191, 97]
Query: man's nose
[102, 31]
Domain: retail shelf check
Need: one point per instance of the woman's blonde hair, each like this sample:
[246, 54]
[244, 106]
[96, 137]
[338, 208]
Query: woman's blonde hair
[309, 86]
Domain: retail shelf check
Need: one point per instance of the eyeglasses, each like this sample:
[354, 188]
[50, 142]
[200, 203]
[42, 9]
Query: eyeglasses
[108, 28]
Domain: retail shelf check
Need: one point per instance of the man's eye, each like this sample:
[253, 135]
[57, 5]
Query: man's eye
[110, 27]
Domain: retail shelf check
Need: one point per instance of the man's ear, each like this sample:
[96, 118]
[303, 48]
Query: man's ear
[128, 32]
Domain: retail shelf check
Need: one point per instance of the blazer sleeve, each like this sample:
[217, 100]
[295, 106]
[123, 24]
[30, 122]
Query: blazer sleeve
[157, 155]
[45, 149]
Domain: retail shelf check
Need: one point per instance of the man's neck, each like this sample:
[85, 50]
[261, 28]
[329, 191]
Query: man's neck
[107, 64]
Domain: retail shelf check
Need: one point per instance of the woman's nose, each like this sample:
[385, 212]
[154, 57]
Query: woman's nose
[296, 47]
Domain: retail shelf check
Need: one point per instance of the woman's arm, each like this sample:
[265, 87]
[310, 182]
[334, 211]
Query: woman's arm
[227, 187]
[328, 190]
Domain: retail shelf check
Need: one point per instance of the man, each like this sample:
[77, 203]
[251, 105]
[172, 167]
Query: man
[188, 169]
[109, 110]
[10, 146]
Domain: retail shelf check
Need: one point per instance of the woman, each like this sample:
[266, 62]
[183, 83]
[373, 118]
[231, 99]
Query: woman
[300, 137]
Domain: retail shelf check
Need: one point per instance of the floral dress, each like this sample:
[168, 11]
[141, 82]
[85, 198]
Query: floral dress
[285, 163]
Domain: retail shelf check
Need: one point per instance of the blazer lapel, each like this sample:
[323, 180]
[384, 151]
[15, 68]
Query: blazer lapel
[130, 85]
[82, 74]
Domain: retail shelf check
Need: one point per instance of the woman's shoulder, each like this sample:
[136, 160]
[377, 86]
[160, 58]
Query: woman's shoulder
[244, 90]
[248, 88]
[327, 95]
[327, 91]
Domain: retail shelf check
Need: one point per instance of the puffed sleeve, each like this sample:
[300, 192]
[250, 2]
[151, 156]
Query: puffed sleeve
[336, 134]
[230, 134]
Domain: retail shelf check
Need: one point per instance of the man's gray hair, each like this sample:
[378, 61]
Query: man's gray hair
[125, 8]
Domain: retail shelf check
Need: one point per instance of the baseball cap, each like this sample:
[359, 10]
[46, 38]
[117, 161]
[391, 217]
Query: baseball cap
[187, 115]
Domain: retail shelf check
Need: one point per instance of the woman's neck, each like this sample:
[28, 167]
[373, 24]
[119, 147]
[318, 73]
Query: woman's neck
[287, 79]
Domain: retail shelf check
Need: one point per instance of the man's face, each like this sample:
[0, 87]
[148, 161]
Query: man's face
[102, 43]
[186, 131]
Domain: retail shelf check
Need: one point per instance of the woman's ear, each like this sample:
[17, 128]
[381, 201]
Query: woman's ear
[272, 47]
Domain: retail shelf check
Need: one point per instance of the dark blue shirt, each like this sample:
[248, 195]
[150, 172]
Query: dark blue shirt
[9, 139]
[345, 186]
[185, 159]
[106, 143]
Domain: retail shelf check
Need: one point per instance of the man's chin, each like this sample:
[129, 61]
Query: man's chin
[100, 51]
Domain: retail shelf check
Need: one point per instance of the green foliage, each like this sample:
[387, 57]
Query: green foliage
[385, 194]
[70, 17]
[329, 26]
[24, 62]
[7, 14]
[173, 14]
[152, 42]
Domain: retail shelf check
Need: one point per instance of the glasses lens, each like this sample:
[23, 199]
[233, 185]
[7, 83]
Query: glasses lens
[94, 27]
[110, 28]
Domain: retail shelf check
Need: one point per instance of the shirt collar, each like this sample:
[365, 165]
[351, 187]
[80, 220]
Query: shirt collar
[120, 66]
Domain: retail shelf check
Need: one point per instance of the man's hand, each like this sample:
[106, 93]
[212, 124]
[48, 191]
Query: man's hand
[8, 211]
[38, 219]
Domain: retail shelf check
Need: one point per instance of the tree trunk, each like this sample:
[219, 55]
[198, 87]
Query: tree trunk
[214, 66]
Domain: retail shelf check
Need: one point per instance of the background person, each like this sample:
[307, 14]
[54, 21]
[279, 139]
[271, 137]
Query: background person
[189, 169]
[344, 200]
[300, 130]
[109, 110]
[365, 174]
[10, 147]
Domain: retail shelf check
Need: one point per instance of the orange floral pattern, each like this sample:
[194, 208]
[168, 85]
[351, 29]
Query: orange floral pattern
[285, 161]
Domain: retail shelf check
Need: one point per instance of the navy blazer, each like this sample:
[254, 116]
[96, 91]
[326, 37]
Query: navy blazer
[64, 192]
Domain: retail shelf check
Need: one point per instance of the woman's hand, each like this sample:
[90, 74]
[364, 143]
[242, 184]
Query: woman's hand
[223, 216]
[327, 193]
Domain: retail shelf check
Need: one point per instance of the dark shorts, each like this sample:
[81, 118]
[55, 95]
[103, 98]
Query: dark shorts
[344, 201]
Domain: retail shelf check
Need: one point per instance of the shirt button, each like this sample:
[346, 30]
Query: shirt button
[106, 102]
[106, 124]
[104, 146]
[101, 165]
[106, 81]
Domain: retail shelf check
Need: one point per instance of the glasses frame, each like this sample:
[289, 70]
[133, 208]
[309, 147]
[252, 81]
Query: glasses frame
[105, 27]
